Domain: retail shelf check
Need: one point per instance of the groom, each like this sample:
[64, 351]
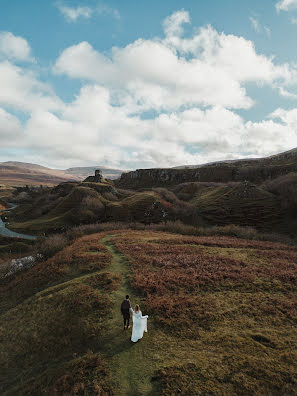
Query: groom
[125, 309]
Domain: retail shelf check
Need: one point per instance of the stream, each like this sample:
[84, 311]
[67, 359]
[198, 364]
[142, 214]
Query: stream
[4, 231]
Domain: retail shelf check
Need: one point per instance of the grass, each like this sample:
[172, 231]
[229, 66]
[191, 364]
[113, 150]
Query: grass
[242, 204]
[222, 318]
[57, 314]
[127, 362]
[224, 312]
[195, 204]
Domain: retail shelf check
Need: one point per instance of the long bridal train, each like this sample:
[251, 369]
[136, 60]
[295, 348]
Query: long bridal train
[139, 324]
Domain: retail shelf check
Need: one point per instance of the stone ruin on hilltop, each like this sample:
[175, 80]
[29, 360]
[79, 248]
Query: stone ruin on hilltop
[98, 178]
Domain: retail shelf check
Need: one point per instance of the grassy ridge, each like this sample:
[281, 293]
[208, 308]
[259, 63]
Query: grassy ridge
[71, 204]
[56, 314]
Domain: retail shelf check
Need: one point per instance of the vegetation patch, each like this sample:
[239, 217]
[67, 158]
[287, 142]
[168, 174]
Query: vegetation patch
[224, 310]
[57, 314]
[86, 375]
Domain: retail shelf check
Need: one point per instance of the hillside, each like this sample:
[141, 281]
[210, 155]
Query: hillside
[222, 318]
[70, 204]
[20, 174]
[285, 158]
[270, 207]
[252, 170]
[13, 173]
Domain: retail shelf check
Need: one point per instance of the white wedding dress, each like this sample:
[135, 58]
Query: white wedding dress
[139, 325]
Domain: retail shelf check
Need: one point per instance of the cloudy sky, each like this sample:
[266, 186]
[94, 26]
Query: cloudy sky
[139, 84]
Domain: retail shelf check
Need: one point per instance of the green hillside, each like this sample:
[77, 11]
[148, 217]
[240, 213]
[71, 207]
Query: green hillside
[243, 204]
[71, 204]
[270, 207]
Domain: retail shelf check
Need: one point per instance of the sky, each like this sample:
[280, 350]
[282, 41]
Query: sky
[142, 84]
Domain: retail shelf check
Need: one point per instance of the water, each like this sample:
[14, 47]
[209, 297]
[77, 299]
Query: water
[11, 234]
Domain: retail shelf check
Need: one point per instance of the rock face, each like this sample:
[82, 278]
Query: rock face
[98, 178]
[147, 178]
[20, 264]
[252, 170]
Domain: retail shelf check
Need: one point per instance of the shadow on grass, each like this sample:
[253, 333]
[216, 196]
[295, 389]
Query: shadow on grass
[116, 344]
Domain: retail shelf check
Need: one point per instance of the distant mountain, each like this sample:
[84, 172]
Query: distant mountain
[14, 173]
[31, 174]
[285, 158]
[83, 172]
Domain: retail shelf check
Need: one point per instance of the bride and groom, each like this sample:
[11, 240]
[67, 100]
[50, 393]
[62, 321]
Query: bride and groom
[139, 321]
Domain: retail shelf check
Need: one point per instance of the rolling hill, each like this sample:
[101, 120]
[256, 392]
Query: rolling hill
[13, 173]
[269, 204]
[287, 157]
[268, 208]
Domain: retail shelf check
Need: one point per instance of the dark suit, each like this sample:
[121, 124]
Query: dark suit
[125, 309]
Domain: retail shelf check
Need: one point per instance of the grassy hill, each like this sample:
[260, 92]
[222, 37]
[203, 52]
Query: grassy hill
[243, 204]
[14, 173]
[270, 207]
[20, 174]
[286, 158]
[72, 204]
[222, 318]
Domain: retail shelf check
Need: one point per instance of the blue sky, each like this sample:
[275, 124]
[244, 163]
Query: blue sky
[135, 84]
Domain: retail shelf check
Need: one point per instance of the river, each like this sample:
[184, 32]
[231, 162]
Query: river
[4, 231]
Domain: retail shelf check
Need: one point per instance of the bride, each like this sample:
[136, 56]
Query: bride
[139, 324]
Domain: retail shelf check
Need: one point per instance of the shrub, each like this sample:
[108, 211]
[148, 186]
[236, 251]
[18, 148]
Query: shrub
[286, 188]
[51, 245]
[93, 204]
[110, 196]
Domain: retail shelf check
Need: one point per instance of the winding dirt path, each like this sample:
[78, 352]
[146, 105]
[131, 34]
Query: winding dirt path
[130, 364]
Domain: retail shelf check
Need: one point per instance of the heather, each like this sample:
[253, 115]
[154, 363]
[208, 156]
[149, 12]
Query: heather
[222, 315]
[228, 304]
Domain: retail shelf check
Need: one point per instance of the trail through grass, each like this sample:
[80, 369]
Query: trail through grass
[129, 363]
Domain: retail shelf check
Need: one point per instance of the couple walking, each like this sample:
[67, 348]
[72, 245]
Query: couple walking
[139, 321]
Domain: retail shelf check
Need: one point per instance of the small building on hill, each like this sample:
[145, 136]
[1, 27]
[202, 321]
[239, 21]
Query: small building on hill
[98, 178]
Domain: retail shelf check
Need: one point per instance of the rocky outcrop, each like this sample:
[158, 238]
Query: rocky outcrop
[17, 265]
[98, 178]
[147, 178]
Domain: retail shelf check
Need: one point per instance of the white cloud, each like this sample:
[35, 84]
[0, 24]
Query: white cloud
[173, 24]
[10, 129]
[255, 24]
[258, 28]
[73, 13]
[92, 130]
[160, 102]
[286, 5]
[267, 31]
[210, 68]
[14, 47]
[22, 90]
